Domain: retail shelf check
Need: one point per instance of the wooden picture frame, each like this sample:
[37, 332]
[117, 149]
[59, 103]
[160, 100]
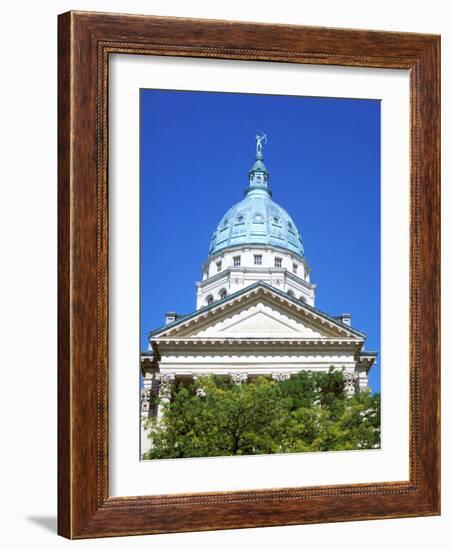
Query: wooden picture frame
[85, 42]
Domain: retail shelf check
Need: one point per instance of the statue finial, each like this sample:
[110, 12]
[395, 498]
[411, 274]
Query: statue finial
[260, 137]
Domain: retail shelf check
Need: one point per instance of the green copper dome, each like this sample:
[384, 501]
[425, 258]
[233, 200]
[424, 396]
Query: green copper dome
[257, 219]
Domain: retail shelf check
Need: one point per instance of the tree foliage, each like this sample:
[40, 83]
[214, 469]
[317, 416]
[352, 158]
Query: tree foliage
[308, 412]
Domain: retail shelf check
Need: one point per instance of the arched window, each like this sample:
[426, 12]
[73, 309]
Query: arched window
[209, 299]
[302, 299]
[290, 293]
[223, 293]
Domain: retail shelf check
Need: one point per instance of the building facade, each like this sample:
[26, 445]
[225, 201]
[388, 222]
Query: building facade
[255, 310]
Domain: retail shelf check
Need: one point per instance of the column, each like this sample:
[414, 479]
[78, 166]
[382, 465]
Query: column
[166, 383]
[363, 382]
[350, 383]
[147, 406]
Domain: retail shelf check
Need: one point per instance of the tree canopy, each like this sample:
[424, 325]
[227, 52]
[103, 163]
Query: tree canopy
[308, 412]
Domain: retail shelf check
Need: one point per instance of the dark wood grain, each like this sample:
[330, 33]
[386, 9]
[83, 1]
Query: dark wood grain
[64, 295]
[85, 42]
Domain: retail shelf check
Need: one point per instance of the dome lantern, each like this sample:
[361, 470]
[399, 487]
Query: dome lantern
[258, 175]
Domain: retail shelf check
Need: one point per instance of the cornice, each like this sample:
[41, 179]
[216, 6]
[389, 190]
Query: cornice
[258, 343]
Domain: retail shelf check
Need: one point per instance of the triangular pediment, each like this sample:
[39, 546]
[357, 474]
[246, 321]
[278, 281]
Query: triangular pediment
[259, 313]
[259, 320]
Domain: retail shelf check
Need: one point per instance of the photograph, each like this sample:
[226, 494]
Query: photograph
[259, 274]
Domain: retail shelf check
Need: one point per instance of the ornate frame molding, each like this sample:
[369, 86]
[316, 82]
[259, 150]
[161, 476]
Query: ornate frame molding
[85, 42]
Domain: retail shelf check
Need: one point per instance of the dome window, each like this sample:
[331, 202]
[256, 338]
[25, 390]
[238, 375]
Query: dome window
[257, 259]
[219, 266]
[276, 220]
[258, 217]
[278, 262]
[237, 261]
[240, 219]
[238, 230]
[295, 268]
[223, 293]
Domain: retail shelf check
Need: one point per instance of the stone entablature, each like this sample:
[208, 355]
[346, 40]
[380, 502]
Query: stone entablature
[259, 361]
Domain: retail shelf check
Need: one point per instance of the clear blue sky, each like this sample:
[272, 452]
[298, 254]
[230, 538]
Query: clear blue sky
[323, 156]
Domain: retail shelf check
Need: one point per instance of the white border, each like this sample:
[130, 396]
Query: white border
[129, 476]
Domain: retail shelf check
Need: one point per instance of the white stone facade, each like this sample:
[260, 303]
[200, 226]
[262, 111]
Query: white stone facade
[258, 331]
[237, 268]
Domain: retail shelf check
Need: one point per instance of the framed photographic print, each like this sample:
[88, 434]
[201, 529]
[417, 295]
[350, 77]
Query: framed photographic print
[248, 275]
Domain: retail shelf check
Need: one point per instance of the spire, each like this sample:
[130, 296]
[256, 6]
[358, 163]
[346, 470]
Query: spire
[258, 175]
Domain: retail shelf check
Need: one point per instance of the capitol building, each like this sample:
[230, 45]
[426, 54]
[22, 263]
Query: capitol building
[255, 309]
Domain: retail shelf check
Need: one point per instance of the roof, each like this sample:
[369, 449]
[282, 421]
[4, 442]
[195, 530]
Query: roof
[257, 219]
[249, 289]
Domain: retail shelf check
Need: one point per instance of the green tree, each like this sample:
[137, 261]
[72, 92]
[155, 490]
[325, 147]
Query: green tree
[308, 412]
